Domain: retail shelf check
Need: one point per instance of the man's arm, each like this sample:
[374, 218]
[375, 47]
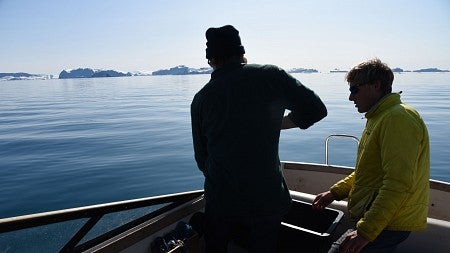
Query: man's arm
[199, 143]
[287, 123]
[306, 107]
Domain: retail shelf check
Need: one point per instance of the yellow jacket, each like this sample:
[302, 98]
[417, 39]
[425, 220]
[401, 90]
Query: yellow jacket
[389, 188]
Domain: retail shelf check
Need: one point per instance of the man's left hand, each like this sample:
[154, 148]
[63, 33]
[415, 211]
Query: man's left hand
[353, 243]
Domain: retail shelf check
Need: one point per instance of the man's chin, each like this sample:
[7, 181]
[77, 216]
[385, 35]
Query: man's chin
[360, 110]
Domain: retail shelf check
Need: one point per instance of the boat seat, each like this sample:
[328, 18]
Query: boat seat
[433, 239]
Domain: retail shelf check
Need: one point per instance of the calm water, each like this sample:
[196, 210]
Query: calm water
[73, 142]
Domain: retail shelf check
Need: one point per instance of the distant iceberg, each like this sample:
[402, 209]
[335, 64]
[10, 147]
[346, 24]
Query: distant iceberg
[23, 76]
[140, 73]
[398, 70]
[178, 70]
[302, 70]
[338, 71]
[91, 73]
[182, 70]
[430, 70]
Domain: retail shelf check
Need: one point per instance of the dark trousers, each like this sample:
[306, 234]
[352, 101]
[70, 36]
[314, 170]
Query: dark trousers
[386, 242]
[257, 234]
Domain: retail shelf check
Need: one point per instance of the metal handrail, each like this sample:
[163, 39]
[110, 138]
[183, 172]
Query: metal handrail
[337, 136]
[94, 213]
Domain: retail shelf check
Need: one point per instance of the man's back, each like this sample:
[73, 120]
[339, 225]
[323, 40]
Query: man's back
[236, 121]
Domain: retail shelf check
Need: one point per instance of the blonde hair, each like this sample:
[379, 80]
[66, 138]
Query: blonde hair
[372, 71]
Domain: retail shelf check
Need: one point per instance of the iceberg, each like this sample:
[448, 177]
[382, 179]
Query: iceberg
[182, 70]
[430, 70]
[23, 76]
[302, 70]
[90, 73]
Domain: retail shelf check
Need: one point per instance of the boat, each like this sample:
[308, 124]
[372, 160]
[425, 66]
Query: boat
[170, 223]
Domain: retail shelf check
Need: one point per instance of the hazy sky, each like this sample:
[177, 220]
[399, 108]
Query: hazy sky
[47, 36]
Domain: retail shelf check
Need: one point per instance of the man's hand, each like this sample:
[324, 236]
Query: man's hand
[353, 243]
[322, 200]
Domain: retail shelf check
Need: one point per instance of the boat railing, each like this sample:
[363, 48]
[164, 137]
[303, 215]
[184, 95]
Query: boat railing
[333, 136]
[94, 214]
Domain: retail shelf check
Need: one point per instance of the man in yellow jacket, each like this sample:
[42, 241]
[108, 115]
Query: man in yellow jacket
[388, 191]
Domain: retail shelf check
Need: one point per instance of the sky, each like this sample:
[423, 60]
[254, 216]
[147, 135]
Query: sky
[48, 36]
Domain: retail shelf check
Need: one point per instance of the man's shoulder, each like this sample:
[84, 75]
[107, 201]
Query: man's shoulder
[205, 91]
[401, 110]
[268, 67]
[265, 71]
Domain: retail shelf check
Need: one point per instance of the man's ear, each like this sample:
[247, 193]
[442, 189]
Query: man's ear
[377, 85]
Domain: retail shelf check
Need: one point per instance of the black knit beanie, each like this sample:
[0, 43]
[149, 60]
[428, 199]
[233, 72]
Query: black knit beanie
[223, 41]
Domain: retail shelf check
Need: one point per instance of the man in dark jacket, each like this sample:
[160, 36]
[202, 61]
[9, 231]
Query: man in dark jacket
[236, 122]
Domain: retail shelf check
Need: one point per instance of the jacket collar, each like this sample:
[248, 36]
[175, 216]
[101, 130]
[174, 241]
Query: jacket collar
[226, 69]
[386, 102]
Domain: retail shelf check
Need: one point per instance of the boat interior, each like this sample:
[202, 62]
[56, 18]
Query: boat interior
[136, 225]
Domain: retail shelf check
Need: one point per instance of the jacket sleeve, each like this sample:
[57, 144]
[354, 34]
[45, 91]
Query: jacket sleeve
[341, 189]
[198, 137]
[306, 107]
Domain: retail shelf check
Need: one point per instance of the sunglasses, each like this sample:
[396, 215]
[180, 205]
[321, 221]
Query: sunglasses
[354, 88]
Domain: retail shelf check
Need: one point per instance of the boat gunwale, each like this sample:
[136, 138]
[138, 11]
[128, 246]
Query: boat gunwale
[93, 214]
[26, 221]
[345, 170]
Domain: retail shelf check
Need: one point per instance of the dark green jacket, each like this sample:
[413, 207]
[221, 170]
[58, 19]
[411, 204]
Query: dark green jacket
[236, 120]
